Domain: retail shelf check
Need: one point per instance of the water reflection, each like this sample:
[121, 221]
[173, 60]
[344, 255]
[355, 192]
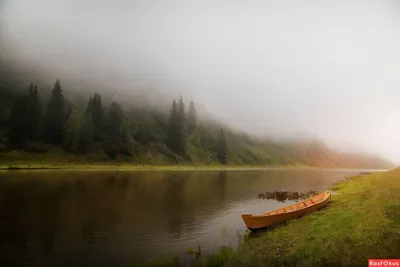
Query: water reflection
[174, 203]
[283, 196]
[116, 218]
[221, 186]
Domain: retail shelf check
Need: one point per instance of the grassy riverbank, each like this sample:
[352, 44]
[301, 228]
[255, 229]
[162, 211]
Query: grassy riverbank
[135, 167]
[361, 221]
[58, 159]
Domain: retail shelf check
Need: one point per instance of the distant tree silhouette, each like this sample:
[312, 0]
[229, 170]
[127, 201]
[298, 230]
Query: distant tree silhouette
[191, 118]
[25, 118]
[55, 115]
[86, 133]
[176, 136]
[115, 122]
[18, 122]
[95, 108]
[34, 110]
[173, 126]
[181, 130]
[71, 132]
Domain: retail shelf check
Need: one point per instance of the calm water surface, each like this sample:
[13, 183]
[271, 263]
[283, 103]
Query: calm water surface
[117, 218]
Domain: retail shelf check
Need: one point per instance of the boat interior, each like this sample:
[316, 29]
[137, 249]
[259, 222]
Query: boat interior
[303, 204]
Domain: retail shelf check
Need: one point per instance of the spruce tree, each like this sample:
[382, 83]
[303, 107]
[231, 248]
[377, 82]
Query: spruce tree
[191, 118]
[181, 140]
[71, 132]
[115, 122]
[172, 128]
[222, 147]
[55, 115]
[176, 135]
[34, 114]
[86, 133]
[95, 107]
[25, 118]
[18, 122]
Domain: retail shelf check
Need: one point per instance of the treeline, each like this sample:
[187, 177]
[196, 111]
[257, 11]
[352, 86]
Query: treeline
[109, 132]
[59, 125]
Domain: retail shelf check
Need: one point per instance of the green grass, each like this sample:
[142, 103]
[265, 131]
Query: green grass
[361, 221]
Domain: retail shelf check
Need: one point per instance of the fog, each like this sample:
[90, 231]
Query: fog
[326, 69]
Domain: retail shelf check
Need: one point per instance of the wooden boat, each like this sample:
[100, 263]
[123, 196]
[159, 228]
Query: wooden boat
[261, 221]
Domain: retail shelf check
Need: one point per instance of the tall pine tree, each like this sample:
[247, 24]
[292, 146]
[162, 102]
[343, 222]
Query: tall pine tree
[172, 128]
[115, 122]
[86, 133]
[95, 107]
[72, 131]
[55, 115]
[181, 128]
[34, 114]
[222, 147]
[25, 118]
[176, 136]
[18, 122]
[191, 118]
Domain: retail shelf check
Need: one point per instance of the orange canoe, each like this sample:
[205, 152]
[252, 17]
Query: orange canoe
[260, 221]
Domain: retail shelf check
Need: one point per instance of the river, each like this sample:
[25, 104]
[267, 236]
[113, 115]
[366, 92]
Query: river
[68, 218]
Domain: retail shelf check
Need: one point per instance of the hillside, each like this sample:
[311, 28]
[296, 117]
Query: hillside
[82, 125]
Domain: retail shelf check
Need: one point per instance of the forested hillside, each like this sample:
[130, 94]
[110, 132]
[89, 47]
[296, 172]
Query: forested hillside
[40, 122]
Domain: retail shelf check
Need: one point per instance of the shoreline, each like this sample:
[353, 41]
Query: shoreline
[149, 167]
[360, 222]
[135, 167]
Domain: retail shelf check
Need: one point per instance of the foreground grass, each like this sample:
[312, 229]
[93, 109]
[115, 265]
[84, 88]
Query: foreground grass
[361, 221]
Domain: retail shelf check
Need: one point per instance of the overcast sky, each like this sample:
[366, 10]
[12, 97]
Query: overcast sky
[329, 69]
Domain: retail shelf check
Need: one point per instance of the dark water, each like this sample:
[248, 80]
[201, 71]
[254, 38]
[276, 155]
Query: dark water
[117, 218]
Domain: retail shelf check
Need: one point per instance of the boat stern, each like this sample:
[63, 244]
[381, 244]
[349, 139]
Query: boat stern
[248, 219]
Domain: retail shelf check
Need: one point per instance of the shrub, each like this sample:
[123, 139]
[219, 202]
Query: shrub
[125, 149]
[111, 150]
[37, 147]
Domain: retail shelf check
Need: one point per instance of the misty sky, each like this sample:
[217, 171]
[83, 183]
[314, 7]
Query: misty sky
[327, 69]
